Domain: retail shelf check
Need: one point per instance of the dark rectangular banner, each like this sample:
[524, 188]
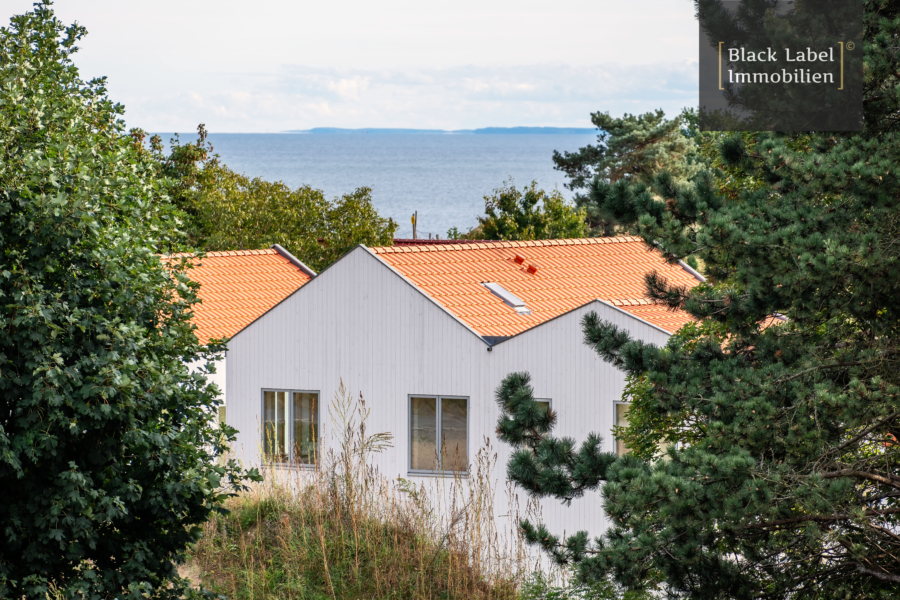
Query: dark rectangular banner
[781, 66]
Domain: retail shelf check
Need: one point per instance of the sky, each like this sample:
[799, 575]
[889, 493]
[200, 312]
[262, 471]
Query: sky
[278, 65]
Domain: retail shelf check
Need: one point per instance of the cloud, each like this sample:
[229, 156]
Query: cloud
[349, 89]
[302, 97]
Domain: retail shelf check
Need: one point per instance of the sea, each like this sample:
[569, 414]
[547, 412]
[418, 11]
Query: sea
[444, 177]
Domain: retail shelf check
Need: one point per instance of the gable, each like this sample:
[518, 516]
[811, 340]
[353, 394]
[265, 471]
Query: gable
[373, 286]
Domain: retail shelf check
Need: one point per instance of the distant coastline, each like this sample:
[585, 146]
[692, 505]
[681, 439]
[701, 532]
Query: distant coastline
[481, 131]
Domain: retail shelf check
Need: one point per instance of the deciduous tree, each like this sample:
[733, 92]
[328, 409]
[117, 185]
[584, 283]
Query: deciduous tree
[226, 210]
[529, 214]
[235, 212]
[109, 456]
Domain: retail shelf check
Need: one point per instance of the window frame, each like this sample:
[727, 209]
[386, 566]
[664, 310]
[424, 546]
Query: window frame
[440, 472]
[292, 462]
[616, 424]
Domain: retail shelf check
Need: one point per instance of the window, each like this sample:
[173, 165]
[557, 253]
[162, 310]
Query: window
[438, 439]
[622, 449]
[290, 426]
[544, 404]
[621, 421]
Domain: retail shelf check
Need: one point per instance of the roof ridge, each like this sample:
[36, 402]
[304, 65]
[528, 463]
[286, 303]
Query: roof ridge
[450, 247]
[221, 253]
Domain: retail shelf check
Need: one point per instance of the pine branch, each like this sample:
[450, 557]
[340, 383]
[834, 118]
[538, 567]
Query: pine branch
[863, 433]
[820, 519]
[891, 480]
[879, 574]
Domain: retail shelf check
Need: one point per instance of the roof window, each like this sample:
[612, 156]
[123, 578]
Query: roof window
[508, 297]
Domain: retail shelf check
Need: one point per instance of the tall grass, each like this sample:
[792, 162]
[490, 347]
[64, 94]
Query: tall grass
[343, 530]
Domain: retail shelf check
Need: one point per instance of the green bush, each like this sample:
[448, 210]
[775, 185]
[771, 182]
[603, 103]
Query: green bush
[108, 445]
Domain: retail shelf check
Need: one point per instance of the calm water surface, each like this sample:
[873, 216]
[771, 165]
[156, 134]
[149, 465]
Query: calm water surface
[444, 177]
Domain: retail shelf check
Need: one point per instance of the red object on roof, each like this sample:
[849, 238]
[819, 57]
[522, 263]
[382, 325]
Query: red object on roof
[238, 286]
[570, 273]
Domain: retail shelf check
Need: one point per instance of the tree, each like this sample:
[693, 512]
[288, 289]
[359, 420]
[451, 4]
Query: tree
[109, 456]
[633, 148]
[786, 478]
[352, 220]
[224, 210]
[234, 212]
[185, 172]
[529, 214]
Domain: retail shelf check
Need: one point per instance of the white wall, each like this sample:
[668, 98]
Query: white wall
[361, 322]
[219, 377]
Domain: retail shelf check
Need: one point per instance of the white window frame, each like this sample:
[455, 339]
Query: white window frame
[438, 442]
[660, 448]
[292, 462]
[616, 423]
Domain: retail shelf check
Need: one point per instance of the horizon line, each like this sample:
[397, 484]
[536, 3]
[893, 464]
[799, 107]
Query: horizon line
[413, 130]
[519, 130]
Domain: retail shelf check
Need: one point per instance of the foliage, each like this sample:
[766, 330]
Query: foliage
[476, 233]
[346, 531]
[108, 451]
[529, 214]
[233, 212]
[224, 210]
[787, 482]
[539, 587]
[183, 172]
[632, 148]
[650, 432]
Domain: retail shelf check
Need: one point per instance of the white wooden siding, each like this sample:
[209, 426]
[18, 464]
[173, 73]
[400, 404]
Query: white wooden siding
[360, 322]
[219, 377]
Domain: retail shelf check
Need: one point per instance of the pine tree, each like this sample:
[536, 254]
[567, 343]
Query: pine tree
[784, 397]
[632, 148]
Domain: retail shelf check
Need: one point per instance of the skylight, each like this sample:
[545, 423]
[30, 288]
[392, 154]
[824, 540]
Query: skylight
[508, 297]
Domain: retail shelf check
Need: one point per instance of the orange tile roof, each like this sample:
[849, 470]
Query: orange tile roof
[437, 242]
[566, 274]
[238, 286]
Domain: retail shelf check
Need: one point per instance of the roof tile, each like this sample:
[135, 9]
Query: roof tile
[570, 273]
[238, 286]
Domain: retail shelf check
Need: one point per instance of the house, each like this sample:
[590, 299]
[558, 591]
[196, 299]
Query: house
[426, 333]
[236, 287]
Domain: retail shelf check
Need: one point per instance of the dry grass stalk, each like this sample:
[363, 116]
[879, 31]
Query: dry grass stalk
[342, 530]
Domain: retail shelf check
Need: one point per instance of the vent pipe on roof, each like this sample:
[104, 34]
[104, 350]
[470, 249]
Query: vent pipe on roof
[686, 267]
[293, 260]
[693, 272]
[508, 297]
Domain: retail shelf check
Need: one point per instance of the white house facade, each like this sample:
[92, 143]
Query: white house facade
[427, 343]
